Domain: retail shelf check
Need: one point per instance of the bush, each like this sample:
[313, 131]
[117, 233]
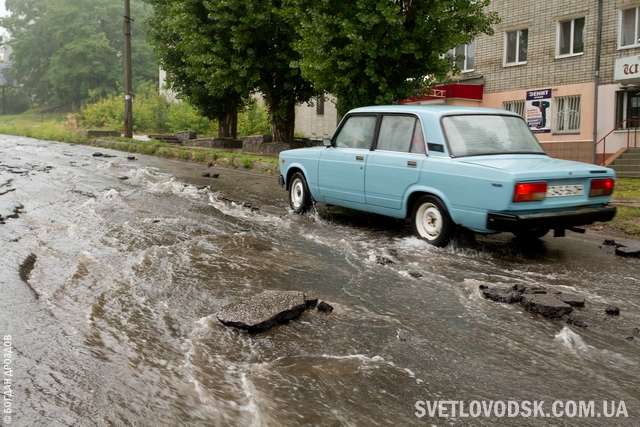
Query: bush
[151, 114]
[149, 110]
[183, 116]
[107, 113]
[254, 120]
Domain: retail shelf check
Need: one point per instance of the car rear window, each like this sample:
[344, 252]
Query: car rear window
[473, 135]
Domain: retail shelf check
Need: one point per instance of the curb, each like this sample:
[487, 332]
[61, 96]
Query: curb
[189, 154]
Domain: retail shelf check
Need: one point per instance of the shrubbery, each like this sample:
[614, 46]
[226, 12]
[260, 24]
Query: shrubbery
[149, 112]
[153, 114]
[183, 116]
[254, 120]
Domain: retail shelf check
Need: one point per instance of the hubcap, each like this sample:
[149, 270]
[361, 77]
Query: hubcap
[297, 193]
[429, 221]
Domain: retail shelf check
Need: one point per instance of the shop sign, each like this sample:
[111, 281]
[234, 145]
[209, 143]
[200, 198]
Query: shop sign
[538, 110]
[627, 70]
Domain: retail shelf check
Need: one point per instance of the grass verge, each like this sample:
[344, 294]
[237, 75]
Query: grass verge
[49, 127]
[627, 220]
[63, 127]
[167, 150]
[628, 188]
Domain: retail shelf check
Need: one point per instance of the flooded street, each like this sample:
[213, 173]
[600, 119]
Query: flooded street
[112, 271]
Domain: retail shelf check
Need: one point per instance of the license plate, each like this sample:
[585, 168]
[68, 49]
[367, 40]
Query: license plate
[565, 190]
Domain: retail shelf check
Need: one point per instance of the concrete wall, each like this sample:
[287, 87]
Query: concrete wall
[219, 143]
[263, 144]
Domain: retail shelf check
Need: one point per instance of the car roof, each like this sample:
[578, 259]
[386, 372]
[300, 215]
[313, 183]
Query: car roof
[430, 110]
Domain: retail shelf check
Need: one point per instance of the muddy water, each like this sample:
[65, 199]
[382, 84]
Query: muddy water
[112, 272]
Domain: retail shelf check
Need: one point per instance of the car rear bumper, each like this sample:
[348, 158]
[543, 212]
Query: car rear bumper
[552, 220]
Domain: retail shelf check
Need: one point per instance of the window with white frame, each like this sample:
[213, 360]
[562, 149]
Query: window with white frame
[465, 56]
[516, 46]
[567, 114]
[514, 106]
[629, 34]
[571, 37]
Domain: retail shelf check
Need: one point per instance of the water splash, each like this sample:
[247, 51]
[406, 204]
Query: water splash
[572, 340]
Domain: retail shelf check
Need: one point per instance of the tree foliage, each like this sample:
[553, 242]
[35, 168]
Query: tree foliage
[63, 49]
[182, 35]
[217, 52]
[369, 52]
[14, 100]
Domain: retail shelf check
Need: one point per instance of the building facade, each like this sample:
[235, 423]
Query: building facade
[318, 118]
[571, 68]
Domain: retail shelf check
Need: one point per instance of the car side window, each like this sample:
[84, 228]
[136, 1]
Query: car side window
[417, 141]
[396, 133]
[357, 132]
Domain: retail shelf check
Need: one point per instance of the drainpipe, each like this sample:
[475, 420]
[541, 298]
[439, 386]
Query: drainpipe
[596, 83]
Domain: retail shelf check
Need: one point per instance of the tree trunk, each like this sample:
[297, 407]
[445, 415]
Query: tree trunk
[228, 125]
[283, 120]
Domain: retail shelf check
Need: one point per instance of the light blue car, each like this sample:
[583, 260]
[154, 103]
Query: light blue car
[443, 166]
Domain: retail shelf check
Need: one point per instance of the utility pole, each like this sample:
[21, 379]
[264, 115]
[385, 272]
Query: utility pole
[128, 114]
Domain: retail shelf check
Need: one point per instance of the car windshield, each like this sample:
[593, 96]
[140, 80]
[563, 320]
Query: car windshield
[478, 134]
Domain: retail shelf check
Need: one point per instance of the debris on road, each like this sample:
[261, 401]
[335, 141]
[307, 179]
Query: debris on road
[264, 310]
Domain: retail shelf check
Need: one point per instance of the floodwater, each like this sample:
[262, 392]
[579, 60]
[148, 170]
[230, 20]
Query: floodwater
[112, 271]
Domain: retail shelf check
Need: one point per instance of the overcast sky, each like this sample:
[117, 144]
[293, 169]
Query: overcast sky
[3, 12]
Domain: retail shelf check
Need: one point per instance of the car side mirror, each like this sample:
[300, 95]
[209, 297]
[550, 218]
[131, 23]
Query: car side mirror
[326, 142]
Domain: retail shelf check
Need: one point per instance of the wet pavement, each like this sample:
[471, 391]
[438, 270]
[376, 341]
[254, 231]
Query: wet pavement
[112, 271]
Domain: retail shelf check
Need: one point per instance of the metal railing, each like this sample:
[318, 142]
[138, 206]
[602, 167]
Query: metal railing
[631, 126]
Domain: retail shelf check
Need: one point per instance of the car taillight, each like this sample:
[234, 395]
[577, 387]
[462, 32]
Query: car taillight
[602, 187]
[530, 192]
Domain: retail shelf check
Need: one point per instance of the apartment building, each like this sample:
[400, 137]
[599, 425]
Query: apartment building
[571, 68]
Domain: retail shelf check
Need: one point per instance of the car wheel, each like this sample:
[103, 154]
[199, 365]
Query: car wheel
[534, 233]
[299, 197]
[431, 221]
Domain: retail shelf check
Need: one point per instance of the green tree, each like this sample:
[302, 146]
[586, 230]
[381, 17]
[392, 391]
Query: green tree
[368, 52]
[63, 49]
[218, 52]
[181, 33]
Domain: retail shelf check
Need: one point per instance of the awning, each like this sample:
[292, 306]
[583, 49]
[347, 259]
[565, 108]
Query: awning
[454, 90]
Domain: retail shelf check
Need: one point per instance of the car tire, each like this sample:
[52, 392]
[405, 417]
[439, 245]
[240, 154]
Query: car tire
[534, 233]
[299, 197]
[431, 221]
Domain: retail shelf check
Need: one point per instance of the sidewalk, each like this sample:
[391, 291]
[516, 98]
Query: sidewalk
[627, 203]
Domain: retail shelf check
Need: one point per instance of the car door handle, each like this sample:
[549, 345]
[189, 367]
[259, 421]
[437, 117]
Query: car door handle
[412, 164]
[359, 158]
